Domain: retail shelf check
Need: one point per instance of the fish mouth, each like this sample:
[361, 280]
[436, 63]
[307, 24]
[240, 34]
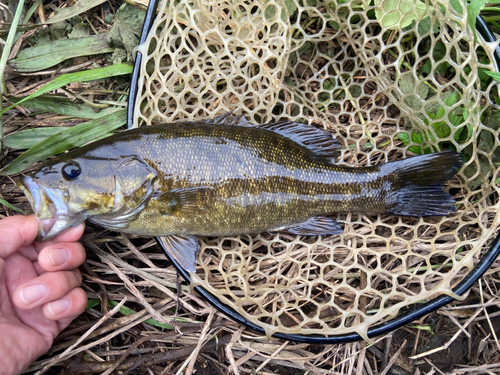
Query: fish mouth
[50, 207]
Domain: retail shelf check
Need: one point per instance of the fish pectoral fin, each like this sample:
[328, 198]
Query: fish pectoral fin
[184, 200]
[315, 226]
[184, 249]
[319, 141]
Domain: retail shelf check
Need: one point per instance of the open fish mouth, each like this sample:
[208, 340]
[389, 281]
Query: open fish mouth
[50, 207]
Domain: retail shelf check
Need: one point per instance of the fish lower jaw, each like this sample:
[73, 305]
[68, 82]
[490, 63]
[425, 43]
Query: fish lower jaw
[50, 207]
[51, 227]
[45, 226]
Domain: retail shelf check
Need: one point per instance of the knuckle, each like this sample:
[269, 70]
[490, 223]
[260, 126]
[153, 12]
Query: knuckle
[65, 280]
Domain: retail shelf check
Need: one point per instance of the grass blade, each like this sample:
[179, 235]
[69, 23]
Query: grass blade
[494, 75]
[46, 55]
[473, 9]
[84, 76]
[79, 7]
[75, 136]
[5, 55]
[10, 39]
[25, 139]
[8, 205]
[92, 302]
[64, 106]
[128, 311]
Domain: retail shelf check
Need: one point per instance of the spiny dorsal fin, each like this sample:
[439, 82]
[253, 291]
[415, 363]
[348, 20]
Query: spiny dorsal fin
[319, 141]
[230, 118]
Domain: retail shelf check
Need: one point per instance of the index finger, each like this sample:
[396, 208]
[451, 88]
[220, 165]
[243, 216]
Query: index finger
[69, 235]
[20, 232]
[16, 232]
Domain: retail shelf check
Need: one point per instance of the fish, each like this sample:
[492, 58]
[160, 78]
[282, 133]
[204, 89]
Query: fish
[225, 177]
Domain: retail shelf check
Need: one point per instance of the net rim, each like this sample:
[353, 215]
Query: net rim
[377, 330]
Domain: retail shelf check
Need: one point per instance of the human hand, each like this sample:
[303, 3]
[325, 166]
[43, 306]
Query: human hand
[39, 293]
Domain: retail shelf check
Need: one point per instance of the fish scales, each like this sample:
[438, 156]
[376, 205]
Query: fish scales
[216, 178]
[248, 180]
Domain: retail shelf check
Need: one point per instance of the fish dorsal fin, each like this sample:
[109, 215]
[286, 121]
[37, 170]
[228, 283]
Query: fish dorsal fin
[184, 249]
[230, 118]
[315, 226]
[319, 141]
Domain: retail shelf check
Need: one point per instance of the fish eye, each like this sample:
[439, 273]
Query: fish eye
[71, 170]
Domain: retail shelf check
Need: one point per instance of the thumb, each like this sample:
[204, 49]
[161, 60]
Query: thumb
[16, 232]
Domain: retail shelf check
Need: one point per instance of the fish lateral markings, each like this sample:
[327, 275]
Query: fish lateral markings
[222, 177]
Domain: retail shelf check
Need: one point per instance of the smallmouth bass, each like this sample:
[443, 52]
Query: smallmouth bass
[223, 177]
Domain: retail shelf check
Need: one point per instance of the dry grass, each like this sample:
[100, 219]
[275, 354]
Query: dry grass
[461, 338]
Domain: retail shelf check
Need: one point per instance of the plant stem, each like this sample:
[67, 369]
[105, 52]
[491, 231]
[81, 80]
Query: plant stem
[491, 19]
[5, 56]
[490, 9]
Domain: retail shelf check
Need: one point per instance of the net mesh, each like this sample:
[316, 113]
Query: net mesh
[388, 80]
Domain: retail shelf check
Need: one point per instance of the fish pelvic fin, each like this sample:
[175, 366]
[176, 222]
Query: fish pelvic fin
[418, 184]
[184, 249]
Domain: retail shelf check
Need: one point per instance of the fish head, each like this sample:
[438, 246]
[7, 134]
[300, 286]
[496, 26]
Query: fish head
[66, 191]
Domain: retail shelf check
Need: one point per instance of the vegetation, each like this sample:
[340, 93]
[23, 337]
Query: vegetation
[64, 77]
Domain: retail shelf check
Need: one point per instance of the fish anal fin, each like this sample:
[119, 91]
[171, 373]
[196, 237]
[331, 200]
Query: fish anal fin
[319, 141]
[183, 249]
[315, 226]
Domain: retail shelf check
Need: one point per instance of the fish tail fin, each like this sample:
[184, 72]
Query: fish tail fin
[419, 181]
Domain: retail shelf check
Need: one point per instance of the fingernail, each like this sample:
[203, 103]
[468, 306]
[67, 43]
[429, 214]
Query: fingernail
[59, 306]
[58, 256]
[33, 293]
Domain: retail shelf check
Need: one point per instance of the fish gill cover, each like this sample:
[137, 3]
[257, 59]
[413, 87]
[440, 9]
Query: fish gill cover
[389, 80]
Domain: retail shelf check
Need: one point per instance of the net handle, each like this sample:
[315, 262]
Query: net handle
[377, 330]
